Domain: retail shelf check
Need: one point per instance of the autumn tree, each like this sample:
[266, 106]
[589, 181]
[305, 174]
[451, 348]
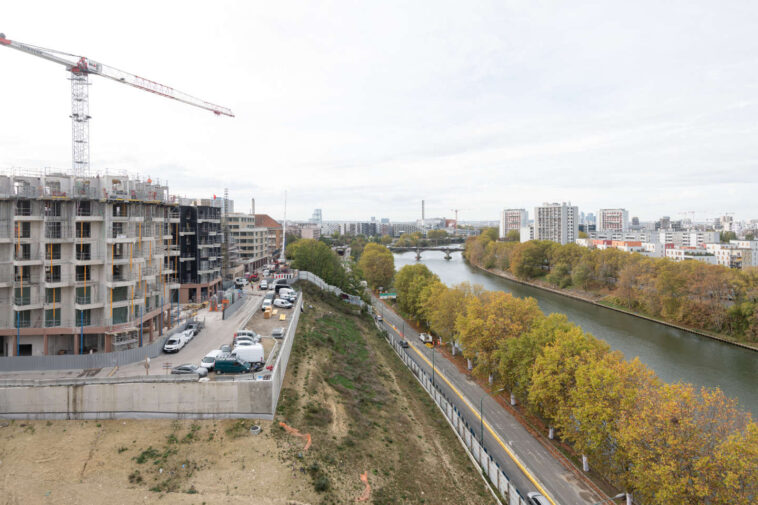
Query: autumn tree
[377, 264]
[442, 305]
[386, 239]
[673, 435]
[513, 236]
[490, 318]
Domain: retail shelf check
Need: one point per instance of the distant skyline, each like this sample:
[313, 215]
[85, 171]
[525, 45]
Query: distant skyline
[365, 108]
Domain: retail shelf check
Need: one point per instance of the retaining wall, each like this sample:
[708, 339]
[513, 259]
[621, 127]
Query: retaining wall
[141, 398]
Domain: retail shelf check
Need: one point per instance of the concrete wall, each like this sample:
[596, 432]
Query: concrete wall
[151, 397]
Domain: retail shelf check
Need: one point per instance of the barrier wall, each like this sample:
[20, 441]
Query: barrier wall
[140, 398]
[280, 366]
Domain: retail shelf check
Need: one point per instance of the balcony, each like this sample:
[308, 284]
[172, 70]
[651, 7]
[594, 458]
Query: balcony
[23, 258]
[120, 279]
[34, 322]
[53, 322]
[27, 214]
[173, 216]
[52, 281]
[58, 234]
[28, 301]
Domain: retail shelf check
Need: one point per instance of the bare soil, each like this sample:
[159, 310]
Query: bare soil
[363, 409]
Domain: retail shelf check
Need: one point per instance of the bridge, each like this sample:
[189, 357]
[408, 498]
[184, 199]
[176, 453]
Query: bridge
[446, 250]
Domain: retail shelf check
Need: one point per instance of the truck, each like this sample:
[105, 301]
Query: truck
[426, 338]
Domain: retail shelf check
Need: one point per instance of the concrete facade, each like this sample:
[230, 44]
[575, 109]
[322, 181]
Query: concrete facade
[82, 261]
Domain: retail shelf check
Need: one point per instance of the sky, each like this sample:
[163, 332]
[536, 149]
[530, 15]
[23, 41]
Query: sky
[365, 108]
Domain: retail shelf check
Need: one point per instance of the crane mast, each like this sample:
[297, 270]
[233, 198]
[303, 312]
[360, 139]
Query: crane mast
[80, 68]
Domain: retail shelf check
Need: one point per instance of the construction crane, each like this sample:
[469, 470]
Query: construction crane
[80, 68]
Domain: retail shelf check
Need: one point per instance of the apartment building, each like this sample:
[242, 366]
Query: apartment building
[200, 241]
[512, 219]
[252, 240]
[613, 220]
[558, 222]
[691, 253]
[87, 264]
[275, 233]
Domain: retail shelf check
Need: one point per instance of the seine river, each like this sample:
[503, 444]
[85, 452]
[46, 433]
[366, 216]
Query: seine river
[675, 355]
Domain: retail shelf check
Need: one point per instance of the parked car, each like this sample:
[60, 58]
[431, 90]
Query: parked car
[187, 335]
[210, 359]
[277, 333]
[404, 344]
[264, 284]
[252, 277]
[247, 333]
[189, 368]
[173, 344]
[240, 282]
[242, 342]
[425, 338]
[536, 499]
[231, 364]
[225, 348]
[266, 304]
[195, 327]
[284, 304]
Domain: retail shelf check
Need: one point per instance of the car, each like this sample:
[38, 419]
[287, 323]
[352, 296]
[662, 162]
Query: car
[379, 318]
[187, 335]
[174, 344]
[252, 277]
[242, 343]
[536, 499]
[284, 304]
[225, 348]
[425, 338]
[277, 333]
[404, 344]
[247, 333]
[264, 284]
[195, 327]
[240, 281]
[246, 338]
[230, 364]
[266, 304]
[189, 368]
[210, 359]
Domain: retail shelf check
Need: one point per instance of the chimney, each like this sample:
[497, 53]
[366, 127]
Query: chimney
[252, 209]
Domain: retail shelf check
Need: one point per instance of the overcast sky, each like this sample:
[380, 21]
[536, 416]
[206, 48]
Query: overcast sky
[365, 108]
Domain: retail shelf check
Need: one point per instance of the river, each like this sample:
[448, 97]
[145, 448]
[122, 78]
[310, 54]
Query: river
[674, 355]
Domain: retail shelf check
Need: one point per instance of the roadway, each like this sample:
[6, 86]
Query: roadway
[534, 468]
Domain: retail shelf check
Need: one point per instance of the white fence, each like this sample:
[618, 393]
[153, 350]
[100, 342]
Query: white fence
[463, 430]
[315, 279]
[280, 365]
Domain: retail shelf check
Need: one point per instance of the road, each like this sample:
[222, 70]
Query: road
[536, 468]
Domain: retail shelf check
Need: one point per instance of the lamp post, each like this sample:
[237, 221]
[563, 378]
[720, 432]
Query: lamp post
[481, 414]
[620, 495]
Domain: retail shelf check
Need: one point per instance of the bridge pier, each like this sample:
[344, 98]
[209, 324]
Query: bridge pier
[418, 254]
[448, 256]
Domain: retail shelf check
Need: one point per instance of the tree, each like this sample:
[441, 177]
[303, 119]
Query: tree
[316, 257]
[410, 282]
[583, 234]
[386, 239]
[513, 236]
[553, 373]
[726, 236]
[681, 444]
[529, 259]
[442, 305]
[517, 356]
[491, 233]
[377, 264]
[489, 319]
[436, 234]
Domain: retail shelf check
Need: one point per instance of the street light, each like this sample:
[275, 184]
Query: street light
[620, 495]
[481, 414]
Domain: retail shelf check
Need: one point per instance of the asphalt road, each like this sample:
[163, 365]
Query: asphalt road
[532, 467]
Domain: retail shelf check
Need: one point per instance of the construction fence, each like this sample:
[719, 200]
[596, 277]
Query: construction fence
[463, 430]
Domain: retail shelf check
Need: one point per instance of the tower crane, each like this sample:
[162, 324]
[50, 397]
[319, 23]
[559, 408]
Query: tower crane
[80, 68]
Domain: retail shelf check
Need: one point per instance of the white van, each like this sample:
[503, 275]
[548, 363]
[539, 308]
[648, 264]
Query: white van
[210, 359]
[250, 353]
[286, 292]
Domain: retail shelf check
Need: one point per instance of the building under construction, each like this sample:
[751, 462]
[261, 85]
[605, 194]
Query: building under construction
[87, 264]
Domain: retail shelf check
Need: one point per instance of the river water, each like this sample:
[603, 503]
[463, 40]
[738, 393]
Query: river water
[673, 354]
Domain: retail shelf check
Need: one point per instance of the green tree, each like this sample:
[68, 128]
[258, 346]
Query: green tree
[726, 236]
[386, 240]
[377, 264]
[410, 282]
[436, 234]
[316, 257]
[513, 236]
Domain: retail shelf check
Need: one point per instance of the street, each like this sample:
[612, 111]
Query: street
[528, 464]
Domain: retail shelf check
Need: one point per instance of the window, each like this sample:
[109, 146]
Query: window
[52, 274]
[84, 208]
[83, 317]
[82, 230]
[53, 295]
[23, 230]
[23, 208]
[83, 251]
[53, 252]
[52, 209]
[82, 273]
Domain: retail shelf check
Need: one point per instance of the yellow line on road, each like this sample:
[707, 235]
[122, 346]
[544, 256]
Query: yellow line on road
[486, 424]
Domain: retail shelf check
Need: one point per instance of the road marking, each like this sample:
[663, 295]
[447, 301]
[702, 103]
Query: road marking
[486, 424]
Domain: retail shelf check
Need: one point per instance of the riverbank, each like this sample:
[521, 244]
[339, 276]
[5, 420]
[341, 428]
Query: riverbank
[597, 300]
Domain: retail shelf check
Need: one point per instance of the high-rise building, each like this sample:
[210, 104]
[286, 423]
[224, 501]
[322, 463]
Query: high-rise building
[316, 218]
[85, 263]
[201, 241]
[558, 222]
[612, 220]
[251, 239]
[512, 219]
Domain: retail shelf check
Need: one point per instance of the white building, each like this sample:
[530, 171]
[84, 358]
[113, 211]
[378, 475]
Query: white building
[613, 220]
[513, 219]
[526, 233]
[558, 222]
[691, 253]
